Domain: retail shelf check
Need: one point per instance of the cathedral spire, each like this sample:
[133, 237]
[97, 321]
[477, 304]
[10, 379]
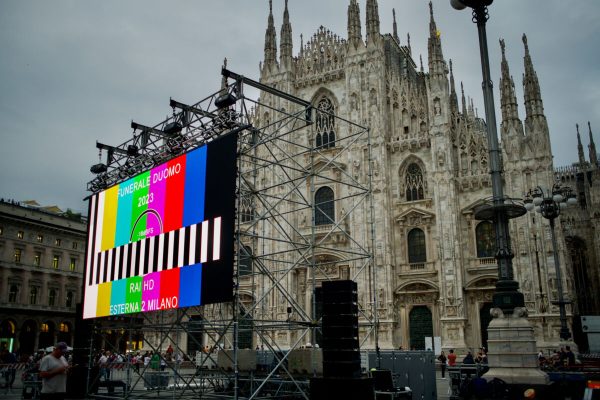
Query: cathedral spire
[580, 148]
[464, 101]
[536, 126]
[395, 26]
[437, 66]
[286, 46]
[223, 78]
[372, 21]
[531, 86]
[592, 148]
[508, 99]
[453, 97]
[270, 40]
[421, 59]
[354, 36]
[408, 43]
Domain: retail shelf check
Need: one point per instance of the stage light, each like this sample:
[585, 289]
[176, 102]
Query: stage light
[132, 150]
[172, 128]
[98, 168]
[225, 100]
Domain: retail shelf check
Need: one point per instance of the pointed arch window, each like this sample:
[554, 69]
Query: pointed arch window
[485, 236]
[325, 124]
[247, 209]
[417, 251]
[245, 265]
[414, 183]
[324, 206]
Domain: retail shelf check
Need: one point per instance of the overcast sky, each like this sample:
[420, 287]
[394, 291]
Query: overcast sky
[73, 72]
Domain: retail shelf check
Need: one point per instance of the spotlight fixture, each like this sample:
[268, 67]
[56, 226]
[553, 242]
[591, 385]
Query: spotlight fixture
[98, 168]
[172, 128]
[225, 100]
[132, 150]
[462, 4]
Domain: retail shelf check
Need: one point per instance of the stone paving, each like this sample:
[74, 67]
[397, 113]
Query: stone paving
[16, 393]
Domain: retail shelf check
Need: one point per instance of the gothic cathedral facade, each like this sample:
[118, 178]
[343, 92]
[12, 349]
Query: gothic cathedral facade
[429, 171]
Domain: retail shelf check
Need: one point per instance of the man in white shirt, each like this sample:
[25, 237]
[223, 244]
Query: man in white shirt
[103, 362]
[53, 371]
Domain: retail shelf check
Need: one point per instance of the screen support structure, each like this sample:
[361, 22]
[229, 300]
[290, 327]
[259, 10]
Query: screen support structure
[304, 215]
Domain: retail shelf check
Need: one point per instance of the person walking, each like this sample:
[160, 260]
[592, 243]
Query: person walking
[442, 359]
[53, 371]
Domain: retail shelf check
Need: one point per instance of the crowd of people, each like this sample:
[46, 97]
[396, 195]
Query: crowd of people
[155, 360]
[559, 359]
[450, 360]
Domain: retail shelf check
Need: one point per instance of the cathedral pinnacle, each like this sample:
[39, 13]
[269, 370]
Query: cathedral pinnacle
[354, 35]
[372, 21]
[437, 65]
[395, 26]
[580, 148]
[270, 40]
[463, 100]
[536, 126]
[508, 98]
[453, 97]
[531, 86]
[286, 46]
[592, 148]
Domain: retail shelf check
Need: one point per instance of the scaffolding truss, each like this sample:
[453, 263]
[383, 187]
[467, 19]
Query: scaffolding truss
[288, 241]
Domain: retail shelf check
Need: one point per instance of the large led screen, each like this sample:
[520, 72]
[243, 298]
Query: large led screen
[164, 238]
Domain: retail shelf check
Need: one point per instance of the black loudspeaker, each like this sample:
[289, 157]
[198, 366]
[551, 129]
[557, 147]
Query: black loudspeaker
[334, 343]
[341, 388]
[340, 331]
[340, 309]
[77, 379]
[340, 286]
[342, 369]
[340, 320]
[341, 357]
[340, 296]
[83, 331]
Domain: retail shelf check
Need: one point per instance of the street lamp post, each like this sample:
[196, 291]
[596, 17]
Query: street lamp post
[501, 209]
[549, 203]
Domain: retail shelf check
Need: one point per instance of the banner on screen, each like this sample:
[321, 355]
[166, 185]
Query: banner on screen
[164, 238]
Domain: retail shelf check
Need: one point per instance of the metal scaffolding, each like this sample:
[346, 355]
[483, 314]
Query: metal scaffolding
[287, 243]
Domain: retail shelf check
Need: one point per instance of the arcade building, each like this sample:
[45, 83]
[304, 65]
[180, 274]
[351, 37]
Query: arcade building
[42, 253]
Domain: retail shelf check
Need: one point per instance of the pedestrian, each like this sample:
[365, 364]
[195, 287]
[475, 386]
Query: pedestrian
[155, 361]
[451, 358]
[104, 367]
[479, 357]
[10, 360]
[53, 371]
[570, 357]
[442, 359]
[468, 360]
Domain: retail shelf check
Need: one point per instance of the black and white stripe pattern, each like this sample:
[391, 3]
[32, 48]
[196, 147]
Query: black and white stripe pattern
[180, 247]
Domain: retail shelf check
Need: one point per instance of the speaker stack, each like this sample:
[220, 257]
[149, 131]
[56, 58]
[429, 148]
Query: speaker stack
[341, 351]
